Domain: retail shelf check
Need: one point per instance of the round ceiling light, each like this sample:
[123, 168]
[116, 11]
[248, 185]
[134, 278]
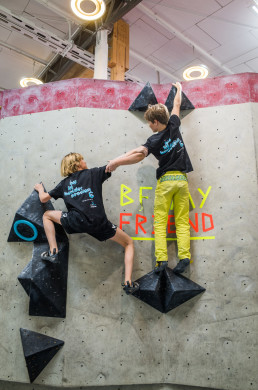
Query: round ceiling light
[196, 72]
[28, 81]
[93, 9]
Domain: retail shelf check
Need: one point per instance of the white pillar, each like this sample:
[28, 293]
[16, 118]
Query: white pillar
[101, 55]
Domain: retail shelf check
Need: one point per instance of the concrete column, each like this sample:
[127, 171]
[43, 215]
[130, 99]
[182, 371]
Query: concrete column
[101, 55]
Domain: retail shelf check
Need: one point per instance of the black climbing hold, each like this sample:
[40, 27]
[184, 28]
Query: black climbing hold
[28, 221]
[185, 104]
[145, 97]
[38, 350]
[46, 283]
[165, 291]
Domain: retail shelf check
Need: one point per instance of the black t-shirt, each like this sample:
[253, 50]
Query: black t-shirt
[82, 191]
[168, 147]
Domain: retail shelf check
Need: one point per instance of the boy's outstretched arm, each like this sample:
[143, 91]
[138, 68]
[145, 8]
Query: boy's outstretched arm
[132, 157]
[177, 100]
[43, 196]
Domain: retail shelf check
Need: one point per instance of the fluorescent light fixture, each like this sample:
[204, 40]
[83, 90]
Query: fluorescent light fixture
[99, 9]
[255, 8]
[25, 81]
[201, 70]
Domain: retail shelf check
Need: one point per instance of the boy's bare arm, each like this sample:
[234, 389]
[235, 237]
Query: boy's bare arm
[177, 100]
[132, 157]
[43, 196]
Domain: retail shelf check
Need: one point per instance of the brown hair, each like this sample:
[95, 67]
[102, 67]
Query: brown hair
[70, 163]
[157, 111]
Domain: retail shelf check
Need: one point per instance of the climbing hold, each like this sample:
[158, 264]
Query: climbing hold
[145, 97]
[46, 283]
[29, 216]
[27, 237]
[185, 104]
[165, 291]
[38, 350]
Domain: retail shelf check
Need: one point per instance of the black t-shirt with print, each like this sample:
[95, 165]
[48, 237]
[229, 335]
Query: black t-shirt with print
[82, 191]
[168, 147]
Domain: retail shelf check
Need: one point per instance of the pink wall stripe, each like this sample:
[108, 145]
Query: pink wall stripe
[119, 95]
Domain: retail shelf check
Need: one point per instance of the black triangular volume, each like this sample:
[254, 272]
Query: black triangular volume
[185, 104]
[28, 231]
[38, 350]
[179, 289]
[165, 291]
[49, 287]
[145, 97]
[150, 290]
[25, 277]
[28, 222]
[32, 209]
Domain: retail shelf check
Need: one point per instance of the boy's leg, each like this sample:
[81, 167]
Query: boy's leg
[163, 197]
[49, 218]
[123, 239]
[181, 211]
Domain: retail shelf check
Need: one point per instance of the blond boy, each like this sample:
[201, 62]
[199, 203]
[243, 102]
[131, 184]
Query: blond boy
[167, 145]
[81, 191]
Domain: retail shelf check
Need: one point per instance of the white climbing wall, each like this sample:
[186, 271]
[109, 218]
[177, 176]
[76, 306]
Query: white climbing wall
[110, 338]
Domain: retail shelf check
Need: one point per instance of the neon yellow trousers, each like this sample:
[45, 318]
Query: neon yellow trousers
[172, 186]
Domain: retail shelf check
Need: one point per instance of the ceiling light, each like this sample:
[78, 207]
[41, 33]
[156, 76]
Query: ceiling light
[98, 5]
[201, 72]
[27, 81]
[255, 8]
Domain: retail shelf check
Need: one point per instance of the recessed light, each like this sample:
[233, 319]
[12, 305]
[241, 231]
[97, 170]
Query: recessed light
[255, 8]
[95, 9]
[196, 72]
[27, 81]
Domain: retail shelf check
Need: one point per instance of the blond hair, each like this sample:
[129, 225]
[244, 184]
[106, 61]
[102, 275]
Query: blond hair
[70, 163]
[157, 111]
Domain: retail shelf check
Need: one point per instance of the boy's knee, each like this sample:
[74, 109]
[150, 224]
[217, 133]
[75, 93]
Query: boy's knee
[46, 214]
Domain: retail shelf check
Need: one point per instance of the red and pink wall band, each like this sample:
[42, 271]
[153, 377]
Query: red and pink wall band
[119, 95]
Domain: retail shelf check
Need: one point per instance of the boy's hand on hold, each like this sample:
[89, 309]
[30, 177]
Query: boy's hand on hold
[38, 187]
[178, 86]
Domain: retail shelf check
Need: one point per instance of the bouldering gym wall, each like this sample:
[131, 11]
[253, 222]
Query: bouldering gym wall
[70, 324]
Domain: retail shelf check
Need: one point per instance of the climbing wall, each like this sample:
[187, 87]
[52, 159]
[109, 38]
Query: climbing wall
[110, 338]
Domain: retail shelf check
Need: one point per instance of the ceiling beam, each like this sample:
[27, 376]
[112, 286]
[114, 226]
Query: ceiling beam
[118, 10]
[25, 54]
[182, 37]
[59, 11]
[152, 65]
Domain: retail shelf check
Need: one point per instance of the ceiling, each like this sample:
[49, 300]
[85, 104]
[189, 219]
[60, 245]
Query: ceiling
[166, 36]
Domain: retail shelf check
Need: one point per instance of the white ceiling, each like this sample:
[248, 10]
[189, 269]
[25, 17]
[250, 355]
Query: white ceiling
[222, 34]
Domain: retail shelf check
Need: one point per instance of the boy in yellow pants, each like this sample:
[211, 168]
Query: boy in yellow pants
[167, 145]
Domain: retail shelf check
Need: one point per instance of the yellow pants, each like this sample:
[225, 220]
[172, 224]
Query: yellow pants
[172, 186]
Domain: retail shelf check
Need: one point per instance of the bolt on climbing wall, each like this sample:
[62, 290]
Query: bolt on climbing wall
[111, 338]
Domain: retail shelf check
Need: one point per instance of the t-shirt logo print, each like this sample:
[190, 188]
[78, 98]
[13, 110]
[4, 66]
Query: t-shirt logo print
[169, 145]
[73, 192]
